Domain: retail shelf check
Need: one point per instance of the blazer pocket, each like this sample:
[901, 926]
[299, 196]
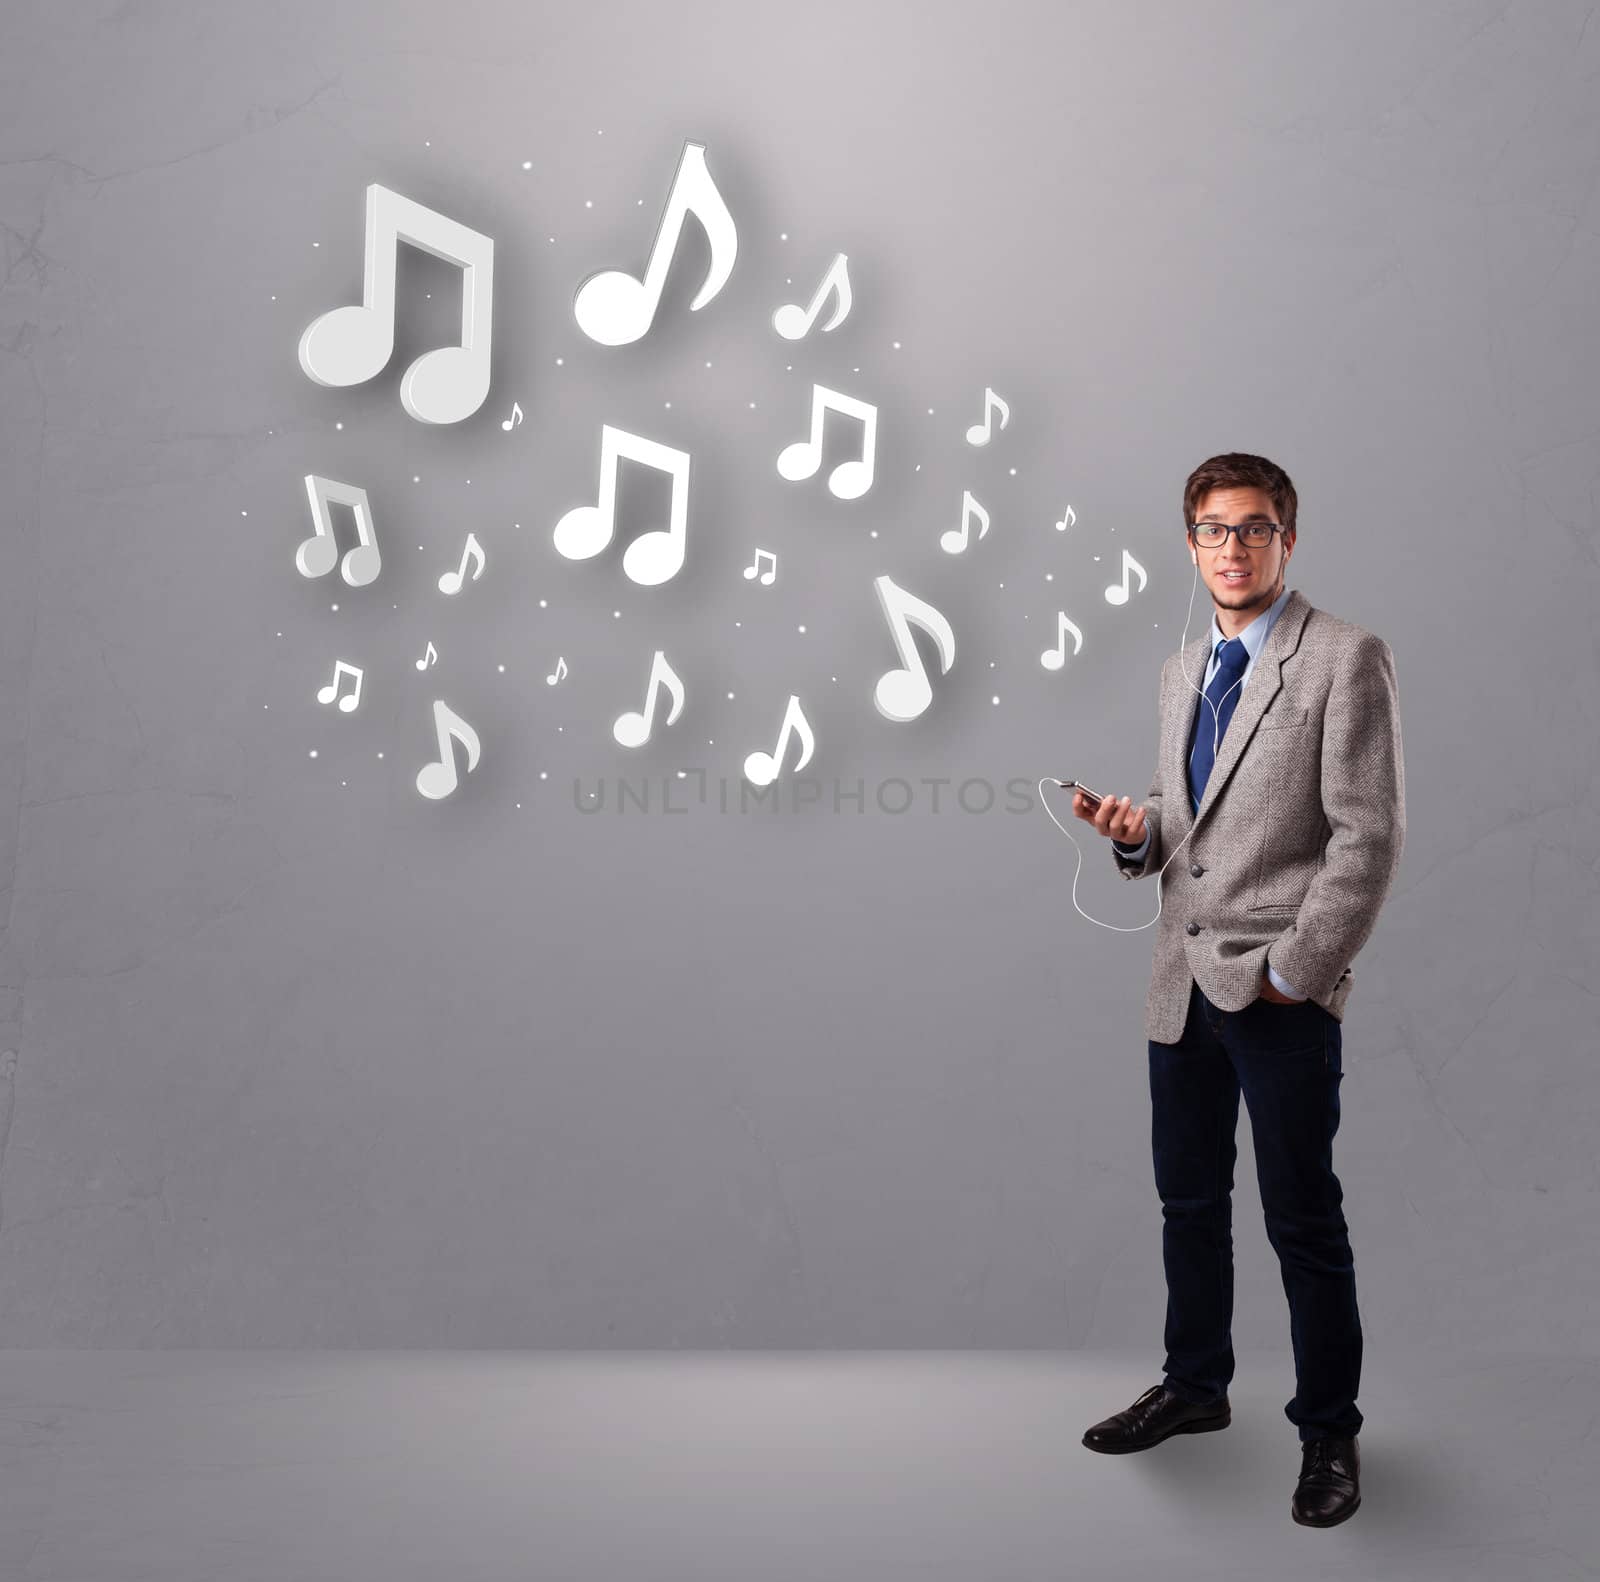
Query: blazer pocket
[1282, 719]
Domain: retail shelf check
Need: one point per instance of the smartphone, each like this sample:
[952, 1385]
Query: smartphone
[1091, 796]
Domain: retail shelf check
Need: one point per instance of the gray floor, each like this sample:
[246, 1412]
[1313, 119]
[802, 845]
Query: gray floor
[214, 1466]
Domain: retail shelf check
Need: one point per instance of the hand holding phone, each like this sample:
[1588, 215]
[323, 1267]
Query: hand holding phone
[1112, 816]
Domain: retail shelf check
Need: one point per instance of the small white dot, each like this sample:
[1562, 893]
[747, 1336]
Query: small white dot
[274, 298]
[552, 238]
[738, 623]
[995, 698]
[991, 664]
[333, 606]
[668, 403]
[561, 727]
[416, 478]
[344, 782]
[266, 705]
[519, 804]
[543, 775]
[730, 694]
[802, 628]
[874, 532]
[709, 742]
[783, 236]
[930, 411]
[280, 634]
[338, 425]
[1002, 584]
[502, 669]
[616, 614]
[559, 361]
[708, 365]
[527, 164]
[313, 752]
[682, 773]
[918, 467]
[244, 513]
[855, 370]
[752, 406]
[427, 145]
[897, 345]
[1013, 472]
[588, 203]
[542, 603]
[1049, 576]
[316, 244]
[788, 368]
[380, 755]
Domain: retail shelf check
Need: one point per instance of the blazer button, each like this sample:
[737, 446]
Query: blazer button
[1195, 870]
[1192, 928]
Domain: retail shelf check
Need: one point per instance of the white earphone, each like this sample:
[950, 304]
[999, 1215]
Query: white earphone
[1215, 739]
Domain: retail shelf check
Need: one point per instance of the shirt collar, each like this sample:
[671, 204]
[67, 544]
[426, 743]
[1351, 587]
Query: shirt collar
[1255, 634]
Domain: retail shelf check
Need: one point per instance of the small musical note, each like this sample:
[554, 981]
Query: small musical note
[633, 730]
[792, 322]
[435, 780]
[767, 575]
[1067, 520]
[349, 345]
[585, 530]
[979, 433]
[317, 555]
[850, 479]
[762, 768]
[952, 542]
[430, 656]
[560, 671]
[451, 581]
[903, 694]
[516, 417]
[616, 308]
[1116, 594]
[328, 693]
[1055, 658]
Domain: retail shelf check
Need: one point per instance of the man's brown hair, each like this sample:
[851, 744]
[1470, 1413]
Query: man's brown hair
[1239, 470]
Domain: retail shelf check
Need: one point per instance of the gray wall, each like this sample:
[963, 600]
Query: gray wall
[295, 1057]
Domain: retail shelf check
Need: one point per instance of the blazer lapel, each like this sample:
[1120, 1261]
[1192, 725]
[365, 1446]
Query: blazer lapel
[1264, 684]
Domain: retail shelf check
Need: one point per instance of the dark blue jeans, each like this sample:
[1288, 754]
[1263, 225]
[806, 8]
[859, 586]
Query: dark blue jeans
[1287, 1059]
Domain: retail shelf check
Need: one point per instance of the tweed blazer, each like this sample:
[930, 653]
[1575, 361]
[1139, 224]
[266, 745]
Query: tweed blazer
[1297, 839]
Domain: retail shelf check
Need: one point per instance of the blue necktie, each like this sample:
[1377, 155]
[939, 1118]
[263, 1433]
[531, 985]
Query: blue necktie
[1223, 695]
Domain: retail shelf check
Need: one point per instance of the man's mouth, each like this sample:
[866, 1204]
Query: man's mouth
[1235, 576]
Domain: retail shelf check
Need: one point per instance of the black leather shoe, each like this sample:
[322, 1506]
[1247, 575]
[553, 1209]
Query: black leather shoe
[1330, 1482]
[1158, 1414]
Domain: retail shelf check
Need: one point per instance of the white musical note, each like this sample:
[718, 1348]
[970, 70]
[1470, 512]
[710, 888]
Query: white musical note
[1067, 520]
[349, 345]
[1055, 658]
[792, 322]
[451, 581]
[435, 780]
[633, 730]
[616, 308]
[585, 530]
[516, 417]
[766, 576]
[952, 542]
[979, 433]
[560, 671]
[328, 693]
[902, 695]
[1116, 594]
[430, 656]
[318, 554]
[762, 768]
[850, 479]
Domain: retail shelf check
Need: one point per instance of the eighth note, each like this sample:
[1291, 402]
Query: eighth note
[1118, 594]
[850, 479]
[980, 433]
[430, 656]
[1067, 520]
[436, 780]
[901, 695]
[633, 730]
[451, 581]
[328, 693]
[516, 417]
[952, 542]
[766, 576]
[1055, 658]
[560, 671]
[792, 322]
[762, 768]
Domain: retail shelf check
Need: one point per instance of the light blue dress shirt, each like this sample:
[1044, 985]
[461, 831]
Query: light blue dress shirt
[1253, 637]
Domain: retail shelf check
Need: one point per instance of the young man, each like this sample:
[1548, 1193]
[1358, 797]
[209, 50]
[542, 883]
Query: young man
[1287, 780]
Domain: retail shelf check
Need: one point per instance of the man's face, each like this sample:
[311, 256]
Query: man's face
[1263, 568]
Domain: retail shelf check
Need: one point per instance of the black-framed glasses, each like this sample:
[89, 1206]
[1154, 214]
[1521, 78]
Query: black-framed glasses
[1214, 534]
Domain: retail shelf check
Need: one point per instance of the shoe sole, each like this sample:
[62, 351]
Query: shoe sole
[1198, 1425]
[1332, 1521]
